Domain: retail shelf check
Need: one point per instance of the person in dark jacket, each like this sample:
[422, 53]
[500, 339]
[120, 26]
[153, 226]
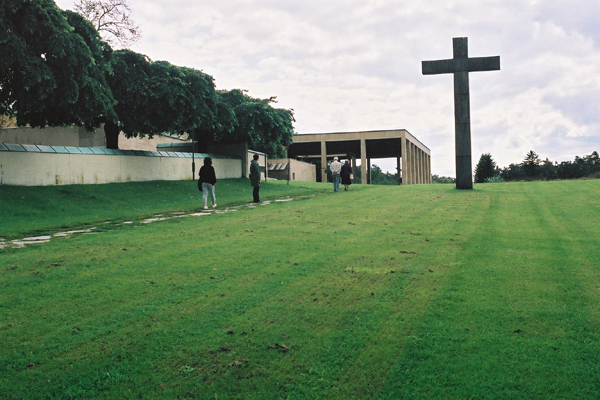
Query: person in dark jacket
[345, 175]
[208, 179]
[255, 178]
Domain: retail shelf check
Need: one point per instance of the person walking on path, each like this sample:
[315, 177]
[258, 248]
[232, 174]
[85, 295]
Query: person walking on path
[208, 181]
[345, 175]
[335, 168]
[255, 178]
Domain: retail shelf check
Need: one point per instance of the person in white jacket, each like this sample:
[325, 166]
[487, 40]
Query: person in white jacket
[335, 167]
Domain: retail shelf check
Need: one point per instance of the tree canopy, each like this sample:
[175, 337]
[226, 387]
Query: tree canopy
[243, 118]
[56, 70]
[53, 67]
[531, 163]
[157, 97]
[486, 168]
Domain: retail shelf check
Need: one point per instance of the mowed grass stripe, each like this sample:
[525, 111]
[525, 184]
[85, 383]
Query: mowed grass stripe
[506, 325]
[372, 329]
[575, 233]
[308, 305]
[145, 261]
[441, 242]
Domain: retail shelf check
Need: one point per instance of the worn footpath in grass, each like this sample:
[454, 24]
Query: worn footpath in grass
[384, 292]
[28, 210]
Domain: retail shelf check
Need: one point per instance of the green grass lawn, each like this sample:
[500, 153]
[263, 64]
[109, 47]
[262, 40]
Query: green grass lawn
[42, 210]
[385, 292]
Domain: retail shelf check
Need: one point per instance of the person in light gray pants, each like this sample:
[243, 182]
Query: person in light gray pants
[208, 179]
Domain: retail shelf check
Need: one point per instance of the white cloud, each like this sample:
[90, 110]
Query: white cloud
[346, 65]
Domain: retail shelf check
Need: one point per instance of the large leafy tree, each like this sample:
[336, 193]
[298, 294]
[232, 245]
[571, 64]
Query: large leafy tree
[254, 121]
[129, 83]
[220, 127]
[182, 99]
[158, 97]
[51, 72]
[56, 70]
[95, 100]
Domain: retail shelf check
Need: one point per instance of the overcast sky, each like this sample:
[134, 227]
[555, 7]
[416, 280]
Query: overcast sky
[348, 65]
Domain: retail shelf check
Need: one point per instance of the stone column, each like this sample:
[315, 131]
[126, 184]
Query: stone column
[323, 162]
[404, 150]
[419, 165]
[429, 168]
[406, 171]
[416, 153]
[424, 164]
[413, 175]
[416, 164]
[398, 166]
[363, 161]
[423, 173]
[423, 170]
[417, 169]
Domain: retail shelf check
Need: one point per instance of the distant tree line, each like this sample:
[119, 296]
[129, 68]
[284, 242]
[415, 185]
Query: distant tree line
[442, 179]
[56, 70]
[533, 168]
[378, 177]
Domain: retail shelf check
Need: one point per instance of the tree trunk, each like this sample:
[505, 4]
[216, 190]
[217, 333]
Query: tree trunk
[112, 135]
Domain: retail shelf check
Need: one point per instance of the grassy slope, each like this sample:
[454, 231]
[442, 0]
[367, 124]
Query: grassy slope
[39, 210]
[385, 292]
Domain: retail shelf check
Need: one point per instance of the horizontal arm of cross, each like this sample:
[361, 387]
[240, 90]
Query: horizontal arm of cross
[460, 64]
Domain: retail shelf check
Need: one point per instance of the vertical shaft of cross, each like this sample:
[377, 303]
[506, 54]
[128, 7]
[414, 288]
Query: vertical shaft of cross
[460, 66]
[462, 118]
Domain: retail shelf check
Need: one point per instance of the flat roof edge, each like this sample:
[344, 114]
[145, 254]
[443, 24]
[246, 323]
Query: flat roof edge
[93, 151]
[369, 135]
[351, 132]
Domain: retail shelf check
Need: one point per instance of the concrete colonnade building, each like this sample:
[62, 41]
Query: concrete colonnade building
[413, 158]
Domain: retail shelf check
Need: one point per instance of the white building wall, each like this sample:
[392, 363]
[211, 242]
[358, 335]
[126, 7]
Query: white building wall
[42, 169]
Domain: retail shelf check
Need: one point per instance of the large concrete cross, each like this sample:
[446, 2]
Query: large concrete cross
[460, 66]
